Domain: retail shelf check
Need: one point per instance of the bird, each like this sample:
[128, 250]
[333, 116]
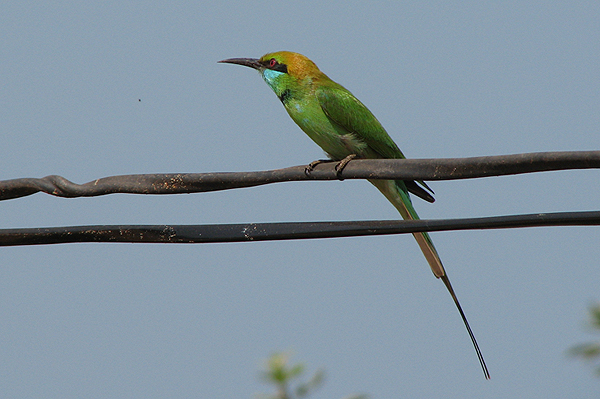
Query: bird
[345, 129]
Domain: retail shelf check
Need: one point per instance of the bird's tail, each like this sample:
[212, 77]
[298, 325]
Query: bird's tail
[397, 194]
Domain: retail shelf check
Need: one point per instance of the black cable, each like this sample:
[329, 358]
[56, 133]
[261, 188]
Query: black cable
[281, 231]
[403, 169]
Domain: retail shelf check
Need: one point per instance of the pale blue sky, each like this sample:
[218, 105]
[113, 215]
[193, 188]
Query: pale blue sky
[447, 79]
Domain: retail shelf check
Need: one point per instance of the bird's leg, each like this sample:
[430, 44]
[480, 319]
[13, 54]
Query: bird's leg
[311, 166]
[342, 164]
[338, 168]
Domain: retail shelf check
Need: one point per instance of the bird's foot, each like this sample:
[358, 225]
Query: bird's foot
[342, 164]
[311, 166]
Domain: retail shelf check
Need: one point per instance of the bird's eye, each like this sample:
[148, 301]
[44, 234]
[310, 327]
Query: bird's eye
[272, 62]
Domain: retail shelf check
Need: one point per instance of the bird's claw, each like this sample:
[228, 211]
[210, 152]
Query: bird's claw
[311, 166]
[339, 168]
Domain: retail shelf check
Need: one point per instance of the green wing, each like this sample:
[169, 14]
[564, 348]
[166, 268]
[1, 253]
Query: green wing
[348, 112]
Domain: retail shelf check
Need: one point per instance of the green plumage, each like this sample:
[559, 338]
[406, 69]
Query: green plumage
[343, 126]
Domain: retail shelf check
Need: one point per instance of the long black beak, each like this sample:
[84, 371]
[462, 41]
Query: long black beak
[249, 62]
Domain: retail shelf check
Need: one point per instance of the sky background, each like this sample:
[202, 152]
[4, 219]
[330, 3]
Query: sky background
[446, 79]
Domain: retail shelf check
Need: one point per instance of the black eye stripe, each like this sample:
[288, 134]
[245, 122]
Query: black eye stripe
[277, 67]
[280, 68]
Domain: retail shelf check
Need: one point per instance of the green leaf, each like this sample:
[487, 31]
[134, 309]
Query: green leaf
[587, 351]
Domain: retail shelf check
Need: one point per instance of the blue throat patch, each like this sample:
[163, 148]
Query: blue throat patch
[270, 76]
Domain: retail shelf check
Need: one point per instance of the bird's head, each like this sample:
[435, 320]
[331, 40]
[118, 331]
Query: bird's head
[282, 70]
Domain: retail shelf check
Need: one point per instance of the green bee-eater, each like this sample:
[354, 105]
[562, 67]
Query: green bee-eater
[343, 127]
